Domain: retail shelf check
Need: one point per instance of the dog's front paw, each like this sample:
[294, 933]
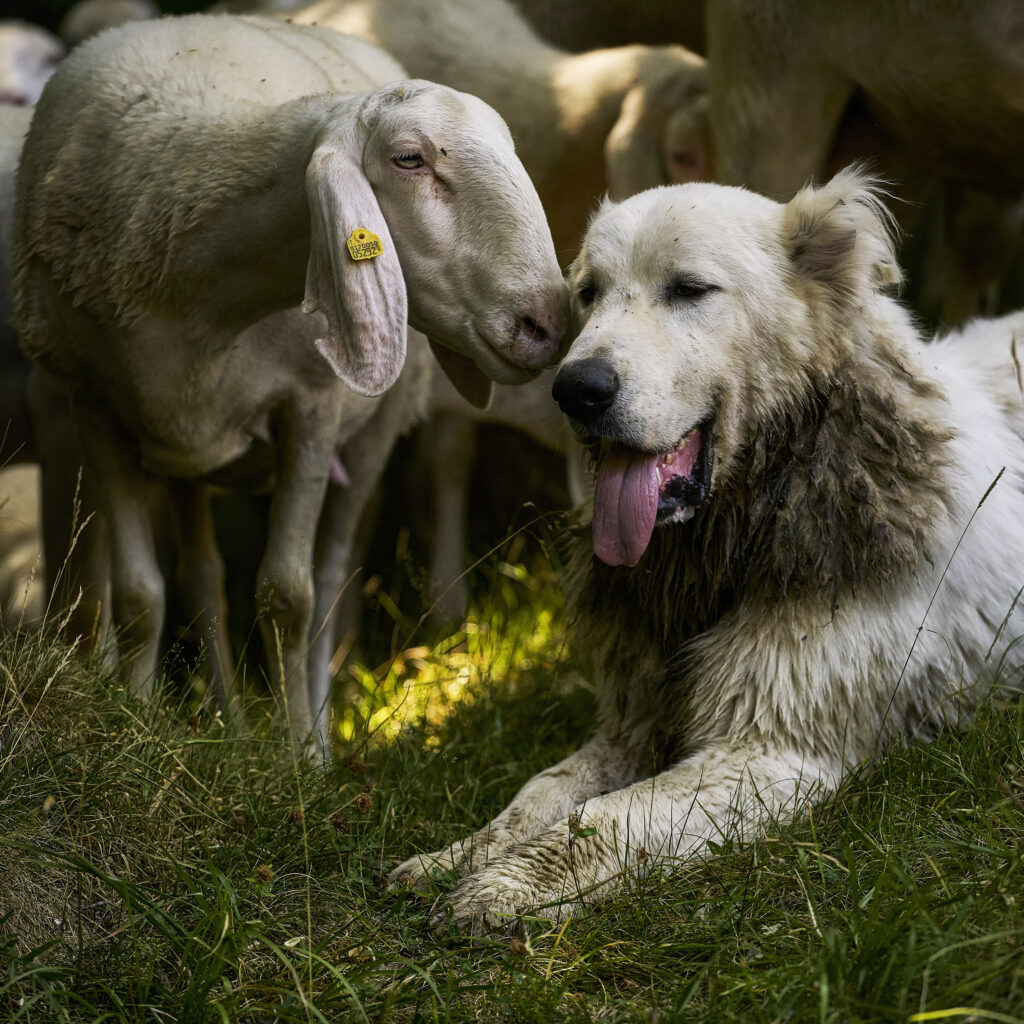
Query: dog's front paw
[460, 859]
[421, 870]
[483, 904]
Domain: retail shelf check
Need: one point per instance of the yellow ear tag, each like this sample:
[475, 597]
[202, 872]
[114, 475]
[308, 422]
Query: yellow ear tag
[364, 245]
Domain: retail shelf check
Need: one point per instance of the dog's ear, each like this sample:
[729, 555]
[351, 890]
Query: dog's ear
[839, 236]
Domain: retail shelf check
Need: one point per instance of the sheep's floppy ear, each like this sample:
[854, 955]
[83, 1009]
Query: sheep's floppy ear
[652, 145]
[364, 300]
[466, 377]
[839, 236]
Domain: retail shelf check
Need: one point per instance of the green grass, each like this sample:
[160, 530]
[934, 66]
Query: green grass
[158, 865]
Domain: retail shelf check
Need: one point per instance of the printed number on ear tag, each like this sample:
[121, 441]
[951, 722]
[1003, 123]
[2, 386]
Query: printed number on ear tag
[364, 245]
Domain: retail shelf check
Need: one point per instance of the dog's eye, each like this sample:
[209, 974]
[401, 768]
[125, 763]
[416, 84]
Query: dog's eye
[686, 288]
[407, 161]
[587, 293]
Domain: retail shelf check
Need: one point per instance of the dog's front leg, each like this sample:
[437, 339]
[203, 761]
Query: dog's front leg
[600, 766]
[721, 792]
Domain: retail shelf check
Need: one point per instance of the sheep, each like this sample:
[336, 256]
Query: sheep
[186, 184]
[28, 56]
[16, 442]
[588, 24]
[945, 97]
[620, 120]
[22, 599]
[84, 19]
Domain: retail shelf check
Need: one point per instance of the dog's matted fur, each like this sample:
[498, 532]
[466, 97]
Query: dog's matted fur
[805, 540]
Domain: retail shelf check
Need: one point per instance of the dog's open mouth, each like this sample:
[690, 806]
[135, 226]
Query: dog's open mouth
[636, 489]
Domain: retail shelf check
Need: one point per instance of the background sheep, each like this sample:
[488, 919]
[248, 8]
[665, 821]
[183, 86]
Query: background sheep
[16, 440]
[88, 17]
[159, 277]
[446, 446]
[28, 56]
[944, 99]
[22, 595]
[589, 24]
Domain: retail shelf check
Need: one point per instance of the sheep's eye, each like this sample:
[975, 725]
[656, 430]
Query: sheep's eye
[408, 161]
[587, 293]
[688, 289]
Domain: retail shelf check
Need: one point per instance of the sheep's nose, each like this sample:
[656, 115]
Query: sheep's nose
[540, 329]
[585, 389]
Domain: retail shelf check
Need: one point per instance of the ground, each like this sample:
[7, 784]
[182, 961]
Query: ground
[158, 864]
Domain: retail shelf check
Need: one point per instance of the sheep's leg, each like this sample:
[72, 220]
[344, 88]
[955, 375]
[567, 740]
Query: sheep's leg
[772, 130]
[76, 556]
[201, 581]
[136, 581]
[718, 793]
[284, 588]
[364, 459]
[450, 443]
[603, 764]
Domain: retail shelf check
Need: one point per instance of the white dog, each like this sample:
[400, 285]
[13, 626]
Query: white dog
[804, 546]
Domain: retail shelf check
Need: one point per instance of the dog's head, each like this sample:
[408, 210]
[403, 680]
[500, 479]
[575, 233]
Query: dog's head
[703, 313]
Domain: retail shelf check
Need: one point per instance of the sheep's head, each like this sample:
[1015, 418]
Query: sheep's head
[660, 137]
[28, 56]
[463, 228]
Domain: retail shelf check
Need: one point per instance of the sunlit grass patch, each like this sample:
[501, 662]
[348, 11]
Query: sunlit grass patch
[520, 630]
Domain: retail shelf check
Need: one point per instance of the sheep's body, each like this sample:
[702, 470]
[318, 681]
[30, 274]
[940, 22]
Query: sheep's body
[237, 155]
[589, 24]
[583, 123]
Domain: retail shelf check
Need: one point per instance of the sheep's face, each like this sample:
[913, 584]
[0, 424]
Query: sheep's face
[471, 236]
[660, 136]
[28, 56]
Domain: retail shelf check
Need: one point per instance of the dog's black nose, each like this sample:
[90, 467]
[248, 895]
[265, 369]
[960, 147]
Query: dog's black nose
[585, 389]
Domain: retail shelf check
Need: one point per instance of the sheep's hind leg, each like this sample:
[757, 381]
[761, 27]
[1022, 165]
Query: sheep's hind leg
[76, 556]
[448, 444]
[137, 585]
[201, 582]
[364, 458]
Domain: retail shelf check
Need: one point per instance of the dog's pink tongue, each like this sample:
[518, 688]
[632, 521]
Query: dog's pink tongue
[625, 506]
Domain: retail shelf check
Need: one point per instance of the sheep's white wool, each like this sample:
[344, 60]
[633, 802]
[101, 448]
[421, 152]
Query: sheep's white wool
[841, 573]
[186, 191]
